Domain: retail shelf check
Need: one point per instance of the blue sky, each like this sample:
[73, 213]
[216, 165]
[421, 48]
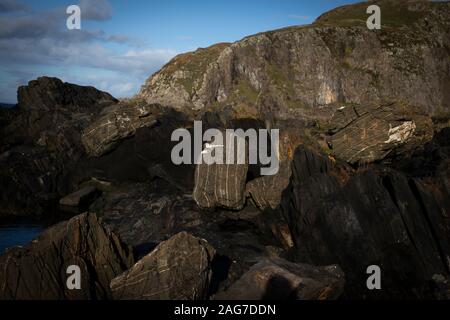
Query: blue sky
[121, 43]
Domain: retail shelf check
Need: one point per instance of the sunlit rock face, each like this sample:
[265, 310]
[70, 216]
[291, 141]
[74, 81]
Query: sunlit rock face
[364, 134]
[335, 60]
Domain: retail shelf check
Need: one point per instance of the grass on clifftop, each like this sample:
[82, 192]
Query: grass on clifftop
[393, 13]
[194, 63]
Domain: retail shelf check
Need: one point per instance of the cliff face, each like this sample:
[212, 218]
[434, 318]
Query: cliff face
[335, 61]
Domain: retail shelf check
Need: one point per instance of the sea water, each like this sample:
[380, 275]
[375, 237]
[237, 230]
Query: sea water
[17, 235]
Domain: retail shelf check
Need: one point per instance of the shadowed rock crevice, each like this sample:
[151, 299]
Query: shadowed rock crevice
[179, 268]
[278, 279]
[376, 217]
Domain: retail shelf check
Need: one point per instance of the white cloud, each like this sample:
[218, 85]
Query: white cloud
[13, 6]
[39, 41]
[99, 10]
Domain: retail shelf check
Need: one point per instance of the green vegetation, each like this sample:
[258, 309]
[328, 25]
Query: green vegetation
[280, 79]
[188, 84]
[134, 101]
[297, 104]
[194, 63]
[277, 75]
[441, 117]
[347, 52]
[247, 92]
[394, 14]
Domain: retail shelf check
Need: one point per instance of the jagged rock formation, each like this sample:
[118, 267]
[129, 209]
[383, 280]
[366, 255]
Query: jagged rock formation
[179, 268]
[223, 184]
[378, 216]
[47, 93]
[47, 154]
[141, 154]
[40, 145]
[80, 198]
[146, 214]
[117, 122]
[278, 279]
[230, 185]
[336, 60]
[38, 271]
[175, 83]
[368, 184]
[266, 191]
[50, 114]
[371, 133]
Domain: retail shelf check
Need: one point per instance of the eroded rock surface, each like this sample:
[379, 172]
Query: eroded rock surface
[266, 191]
[278, 279]
[220, 185]
[38, 271]
[179, 268]
[335, 60]
[376, 216]
[117, 123]
[364, 134]
[80, 197]
[41, 146]
[145, 215]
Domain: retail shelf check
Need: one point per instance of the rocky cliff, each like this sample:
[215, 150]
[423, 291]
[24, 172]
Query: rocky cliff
[364, 164]
[331, 63]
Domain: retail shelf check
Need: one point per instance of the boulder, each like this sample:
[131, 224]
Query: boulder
[179, 268]
[266, 191]
[220, 185]
[116, 123]
[39, 270]
[279, 279]
[80, 198]
[364, 134]
[137, 154]
[228, 185]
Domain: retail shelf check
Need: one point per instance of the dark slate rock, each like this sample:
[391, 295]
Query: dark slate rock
[279, 279]
[374, 216]
[364, 134]
[38, 271]
[179, 268]
[80, 197]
